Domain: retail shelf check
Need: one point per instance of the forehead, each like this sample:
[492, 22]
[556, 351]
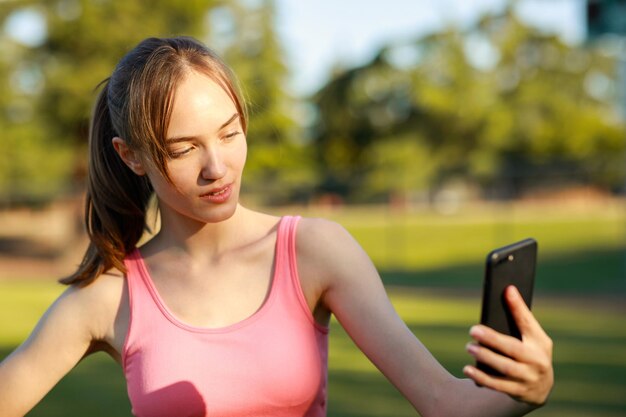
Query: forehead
[200, 104]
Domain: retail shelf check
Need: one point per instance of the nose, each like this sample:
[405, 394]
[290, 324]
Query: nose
[213, 166]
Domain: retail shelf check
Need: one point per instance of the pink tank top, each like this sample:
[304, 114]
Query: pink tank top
[274, 363]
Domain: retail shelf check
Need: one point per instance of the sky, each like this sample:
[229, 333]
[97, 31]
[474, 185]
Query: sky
[317, 34]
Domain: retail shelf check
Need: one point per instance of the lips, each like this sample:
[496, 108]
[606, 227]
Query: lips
[218, 195]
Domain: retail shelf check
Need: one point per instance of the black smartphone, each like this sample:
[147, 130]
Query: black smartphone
[513, 264]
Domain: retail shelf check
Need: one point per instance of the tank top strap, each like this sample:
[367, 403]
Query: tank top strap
[285, 240]
[142, 308]
[139, 294]
[133, 280]
[288, 280]
[286, 272]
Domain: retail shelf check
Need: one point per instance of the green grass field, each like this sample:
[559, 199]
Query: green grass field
[432, 267]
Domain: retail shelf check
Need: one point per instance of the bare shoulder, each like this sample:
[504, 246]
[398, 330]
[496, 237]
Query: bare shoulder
[98, 302]
[74, 326]
[316, 234]
[320, 244]
[327, 247]
[104, 290]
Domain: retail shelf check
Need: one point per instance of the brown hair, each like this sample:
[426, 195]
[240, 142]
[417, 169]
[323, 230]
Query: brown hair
[135, 103]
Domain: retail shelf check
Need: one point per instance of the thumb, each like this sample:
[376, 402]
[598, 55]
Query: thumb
[524, 318]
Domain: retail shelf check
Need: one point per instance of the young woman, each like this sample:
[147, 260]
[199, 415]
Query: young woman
[225, 311]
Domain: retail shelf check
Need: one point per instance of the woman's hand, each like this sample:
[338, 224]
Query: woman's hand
[527, 366]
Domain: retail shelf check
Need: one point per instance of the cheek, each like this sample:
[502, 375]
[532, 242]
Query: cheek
[239, 155]
[244, 154]
[184, 178]
[162, 187]
[179, 176]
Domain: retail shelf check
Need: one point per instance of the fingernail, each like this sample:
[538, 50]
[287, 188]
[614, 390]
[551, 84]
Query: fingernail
[513, 291]
[468, 370]
[471, 348]
[475, 331]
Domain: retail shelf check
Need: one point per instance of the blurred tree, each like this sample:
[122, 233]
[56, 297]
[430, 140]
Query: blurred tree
[497, 104]
[26, 160]
[344, 129]
[413, 112]
[555, 117]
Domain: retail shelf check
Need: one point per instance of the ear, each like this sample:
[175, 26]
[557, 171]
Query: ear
[129, 156]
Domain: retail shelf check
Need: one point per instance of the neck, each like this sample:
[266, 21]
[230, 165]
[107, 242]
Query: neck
[200, 239]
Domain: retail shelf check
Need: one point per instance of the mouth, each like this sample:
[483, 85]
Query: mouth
[219, 194]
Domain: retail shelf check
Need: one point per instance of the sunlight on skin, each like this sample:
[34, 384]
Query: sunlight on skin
[589, 341]
[589, 334]
[577, 351]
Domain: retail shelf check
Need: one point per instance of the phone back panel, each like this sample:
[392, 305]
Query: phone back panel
[509, 265]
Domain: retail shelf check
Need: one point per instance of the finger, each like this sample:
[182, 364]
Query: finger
[529, 326]
[503, 364]
[491, 338]
[507, 345]
[513, 388]
[524, 318]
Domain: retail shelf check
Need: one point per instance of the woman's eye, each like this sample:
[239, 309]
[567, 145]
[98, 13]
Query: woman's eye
[231, 135]
[179, 152]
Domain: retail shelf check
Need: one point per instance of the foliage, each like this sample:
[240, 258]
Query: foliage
[499, 107]
[28, 157]
[497, 103]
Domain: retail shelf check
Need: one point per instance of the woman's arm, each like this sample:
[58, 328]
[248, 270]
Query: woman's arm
[63, 336]
[354, 293]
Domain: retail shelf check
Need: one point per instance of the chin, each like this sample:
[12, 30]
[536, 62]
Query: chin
[219, 213]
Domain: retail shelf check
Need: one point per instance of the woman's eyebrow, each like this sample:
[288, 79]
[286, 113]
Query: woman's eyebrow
[177, 139]
[229, 121]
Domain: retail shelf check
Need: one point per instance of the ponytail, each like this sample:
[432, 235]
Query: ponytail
[116, 201]
[135, 104]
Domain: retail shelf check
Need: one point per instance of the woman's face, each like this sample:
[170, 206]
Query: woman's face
[207, 153]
